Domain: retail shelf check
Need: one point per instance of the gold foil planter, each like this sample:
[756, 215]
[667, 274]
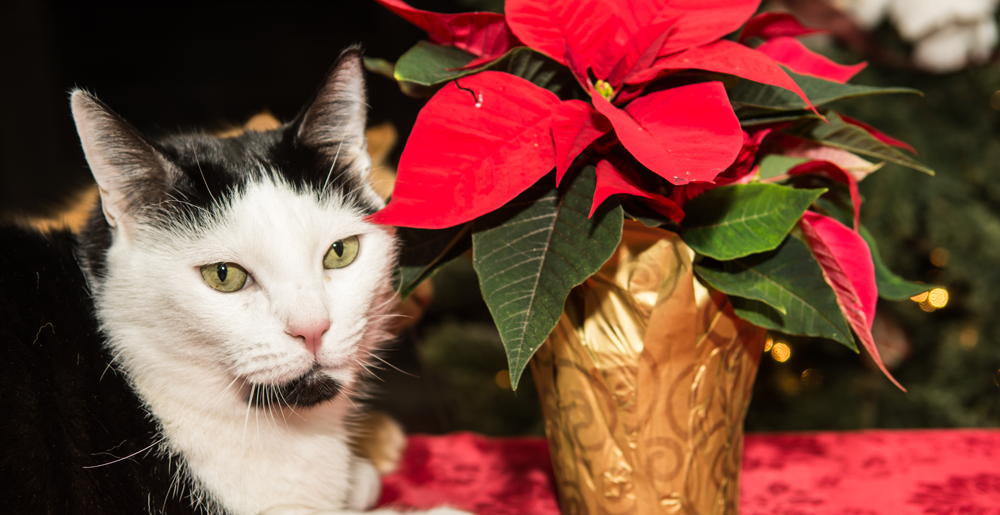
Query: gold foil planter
[644, 386]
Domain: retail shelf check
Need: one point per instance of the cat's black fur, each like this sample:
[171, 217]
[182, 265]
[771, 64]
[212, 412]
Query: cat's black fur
[75, 438]
[65, 413]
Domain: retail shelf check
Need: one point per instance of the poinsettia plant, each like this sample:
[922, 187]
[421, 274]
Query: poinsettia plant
[550, 124]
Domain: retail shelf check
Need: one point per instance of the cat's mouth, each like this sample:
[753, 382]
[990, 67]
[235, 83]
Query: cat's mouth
[306, 391]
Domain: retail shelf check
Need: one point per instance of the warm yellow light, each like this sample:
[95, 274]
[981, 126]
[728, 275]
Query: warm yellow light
[502, 379]
[996, 378]
[968, 337]
[926, 307]
[781, 352]
[768, 343]
[919, 298]
[938, 297]
[939, 257]
[789, 383]
[812, 378]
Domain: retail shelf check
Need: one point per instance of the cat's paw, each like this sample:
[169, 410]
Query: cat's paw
[366, 485]
[381, 441]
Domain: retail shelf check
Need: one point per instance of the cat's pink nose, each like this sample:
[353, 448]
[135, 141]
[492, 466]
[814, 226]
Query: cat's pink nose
[311, 334]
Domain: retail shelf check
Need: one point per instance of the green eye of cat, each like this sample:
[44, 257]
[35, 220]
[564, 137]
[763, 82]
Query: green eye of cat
[224, 277]
[341, 253]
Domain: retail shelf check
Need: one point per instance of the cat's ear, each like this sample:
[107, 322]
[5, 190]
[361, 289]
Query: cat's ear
[335, 121]
[129, 171]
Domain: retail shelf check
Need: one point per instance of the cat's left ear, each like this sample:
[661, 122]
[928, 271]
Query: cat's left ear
[335, 121]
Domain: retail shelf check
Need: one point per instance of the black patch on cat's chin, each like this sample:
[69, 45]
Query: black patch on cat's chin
[310, 389]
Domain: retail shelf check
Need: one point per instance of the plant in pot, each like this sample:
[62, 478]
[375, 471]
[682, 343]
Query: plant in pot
[646, 187]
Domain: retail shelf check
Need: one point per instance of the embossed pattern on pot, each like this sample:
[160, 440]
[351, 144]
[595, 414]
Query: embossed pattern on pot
[644, 385]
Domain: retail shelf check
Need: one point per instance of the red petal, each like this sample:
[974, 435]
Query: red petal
[836, 173]
[471, 152]
[770, 25]
[684, 134]
[847, 267]
[727, 57]
[884, 138]
[793, 54]
[575, 125]
[615, 177]
[693, 22]
[482, 34]
[591, 28]
[638, 53]
[740, 172]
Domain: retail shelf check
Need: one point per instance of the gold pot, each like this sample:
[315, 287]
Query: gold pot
[645, 383]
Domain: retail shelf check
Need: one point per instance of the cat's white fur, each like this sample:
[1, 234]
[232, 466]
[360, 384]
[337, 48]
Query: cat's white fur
[190, 351]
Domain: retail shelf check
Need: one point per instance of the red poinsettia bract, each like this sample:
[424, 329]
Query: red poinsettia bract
[479, 141]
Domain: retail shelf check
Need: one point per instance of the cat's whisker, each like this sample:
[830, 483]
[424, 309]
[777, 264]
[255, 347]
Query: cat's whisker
[367, 368]
[273, 404]
[391, 315]
[332, 166]
[281, 409]
[184, 202]
[394, 367]
[202, 172]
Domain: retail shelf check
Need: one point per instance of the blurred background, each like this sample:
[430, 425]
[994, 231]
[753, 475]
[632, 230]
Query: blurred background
[215, 64]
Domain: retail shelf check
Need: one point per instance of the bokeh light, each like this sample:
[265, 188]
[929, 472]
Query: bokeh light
[968, 337]
[996, 378]
[995, 101]
[812, 378]
[781, 352]
[939, 257]
[502, 379]
[768, 343]
[929, 301]
[938, 297]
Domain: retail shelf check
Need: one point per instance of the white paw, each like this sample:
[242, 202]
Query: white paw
[366, 485]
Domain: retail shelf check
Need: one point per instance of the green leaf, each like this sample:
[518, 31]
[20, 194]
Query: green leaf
[423, 251]
[380, 66]
[749, 94]
[530, 253]
[789, 276]
[774, 165]
[890, 285]
[731, 279]
[735, 221]
[427, 67]
[855, 139]
[753, 117]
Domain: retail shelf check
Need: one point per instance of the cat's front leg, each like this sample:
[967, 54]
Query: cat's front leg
[366, 485]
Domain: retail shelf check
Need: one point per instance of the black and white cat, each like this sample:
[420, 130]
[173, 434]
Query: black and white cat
[196, 347]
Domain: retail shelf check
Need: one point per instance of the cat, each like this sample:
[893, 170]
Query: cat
[198, 347]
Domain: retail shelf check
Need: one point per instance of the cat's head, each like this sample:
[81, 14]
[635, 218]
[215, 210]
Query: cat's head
[243, 261]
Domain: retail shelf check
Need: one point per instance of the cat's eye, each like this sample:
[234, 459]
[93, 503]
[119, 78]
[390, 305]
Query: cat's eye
[341, 253]
[224, 277]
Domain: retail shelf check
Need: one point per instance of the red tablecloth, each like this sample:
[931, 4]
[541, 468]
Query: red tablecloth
[939, 472]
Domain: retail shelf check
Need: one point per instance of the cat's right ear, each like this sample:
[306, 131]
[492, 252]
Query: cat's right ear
[126, 166]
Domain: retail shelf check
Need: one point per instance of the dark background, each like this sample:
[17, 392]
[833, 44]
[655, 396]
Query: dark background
[183, 65]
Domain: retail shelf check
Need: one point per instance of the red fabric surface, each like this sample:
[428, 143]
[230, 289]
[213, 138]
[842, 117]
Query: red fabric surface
[938, 472]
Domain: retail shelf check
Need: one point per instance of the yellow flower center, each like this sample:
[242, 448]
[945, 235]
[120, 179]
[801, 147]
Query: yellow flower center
[605, 90]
